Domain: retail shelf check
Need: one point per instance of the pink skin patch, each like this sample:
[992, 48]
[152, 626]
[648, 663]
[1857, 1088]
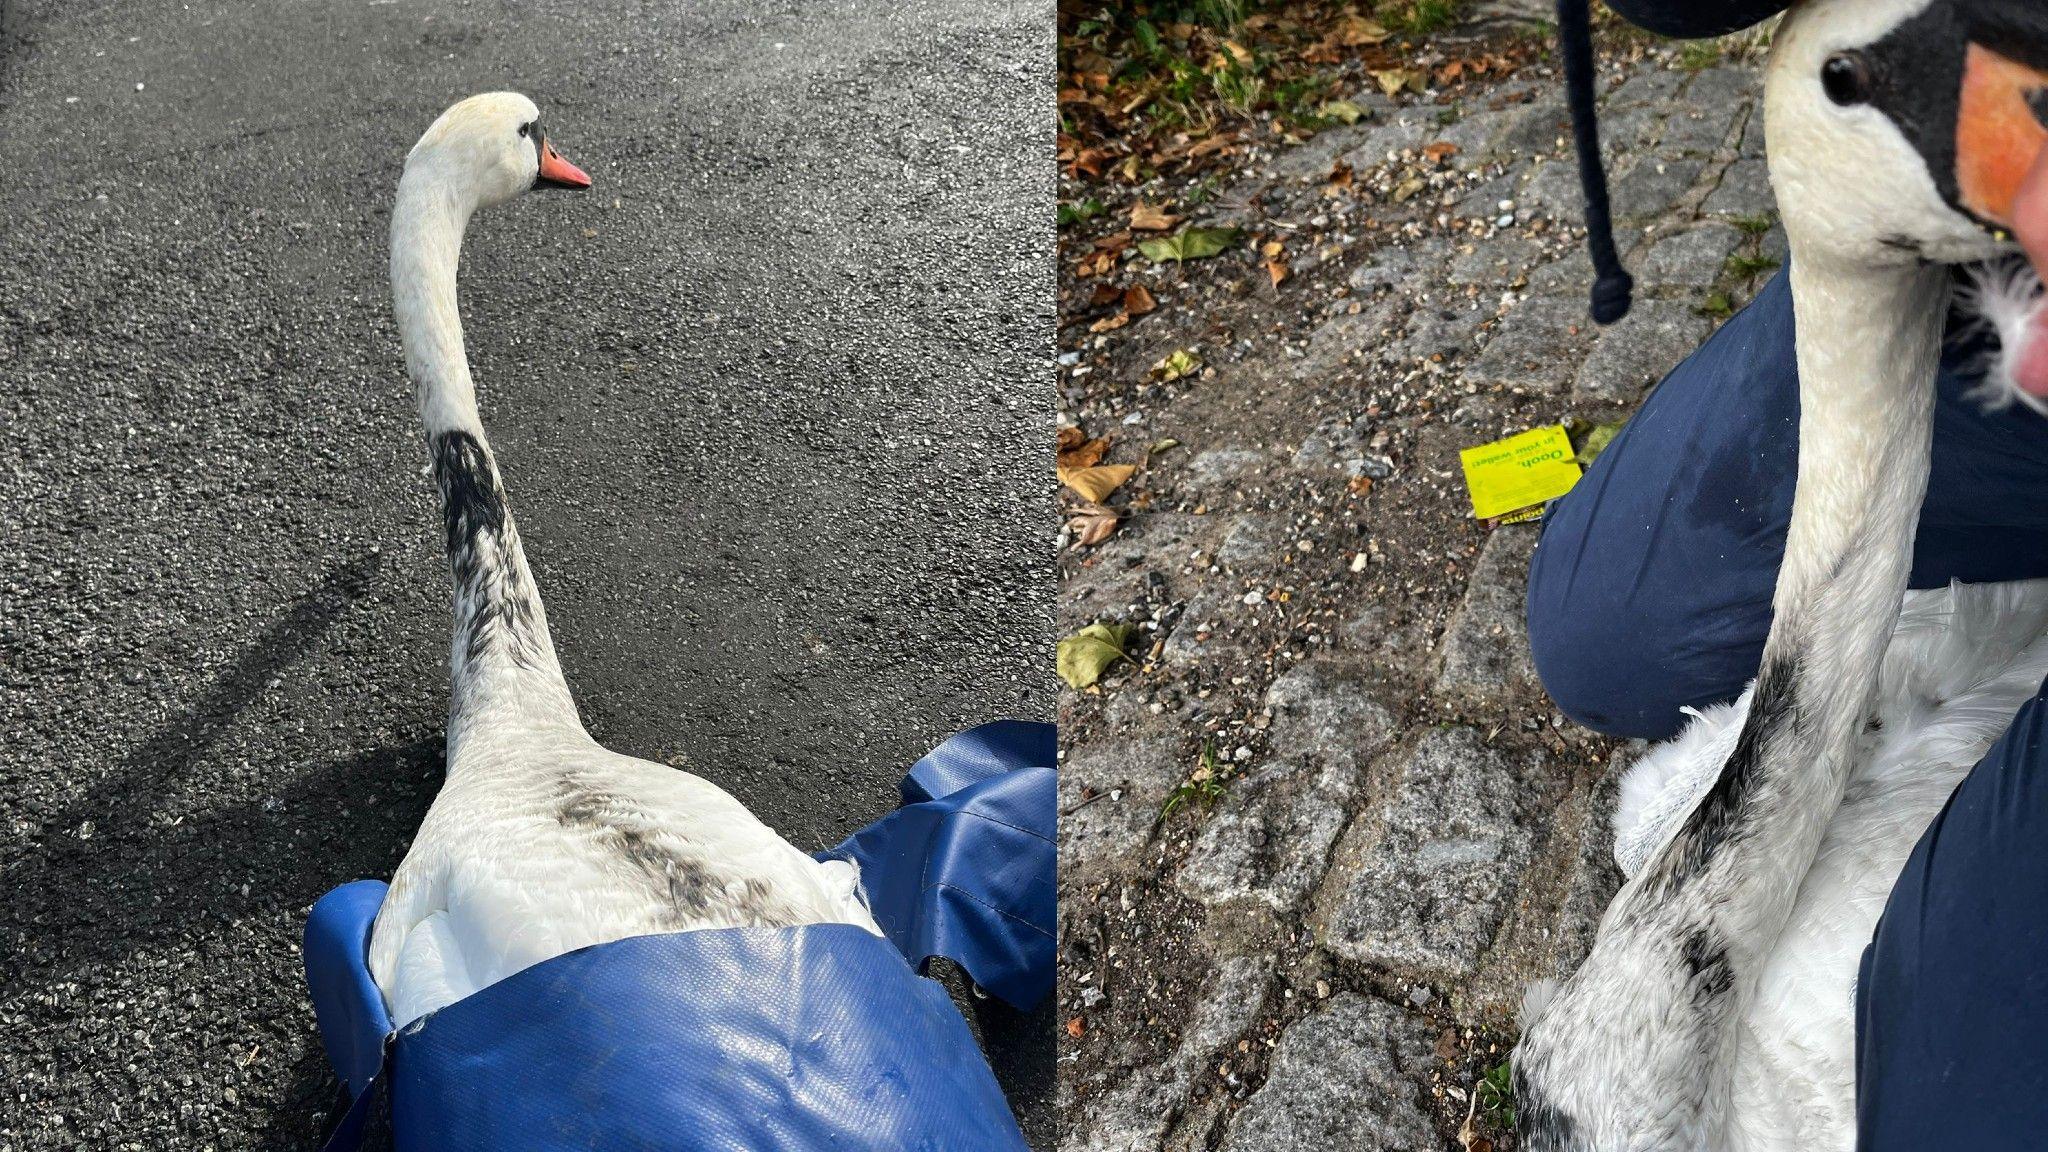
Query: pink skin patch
[2030, 224]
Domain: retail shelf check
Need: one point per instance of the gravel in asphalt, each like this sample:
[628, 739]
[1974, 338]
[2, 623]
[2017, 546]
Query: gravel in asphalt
[770, 404]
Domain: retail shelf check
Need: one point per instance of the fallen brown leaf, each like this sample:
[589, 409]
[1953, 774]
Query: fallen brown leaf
[1440, 151]
[1091, 524]
[1110, 323]
[1088, 162]
[1355, 30]
[1151, 218]
[1095, 484]
[1075, 1027]
[1138, 301]
[1392, 80]
[1078, 451]
[1278, 271]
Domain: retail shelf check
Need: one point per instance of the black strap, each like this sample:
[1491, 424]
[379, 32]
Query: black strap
[1612, 285]
[366, 1126]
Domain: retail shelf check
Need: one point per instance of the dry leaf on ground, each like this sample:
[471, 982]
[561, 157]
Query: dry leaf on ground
[1082, 658]
[1189, 244]
[1392, 80]
[1091, 524]
[1175, 365]
[1095, 483]
[1343, 111]
[1151, 217]
[1077, 450]
[1355, 31]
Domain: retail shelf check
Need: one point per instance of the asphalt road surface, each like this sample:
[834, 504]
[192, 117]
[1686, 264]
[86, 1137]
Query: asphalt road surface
[771, 405]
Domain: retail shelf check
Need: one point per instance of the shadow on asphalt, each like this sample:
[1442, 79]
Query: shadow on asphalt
[115, 875]
[140, 882]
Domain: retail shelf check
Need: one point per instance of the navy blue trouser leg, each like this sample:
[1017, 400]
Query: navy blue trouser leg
[1651, 587]
[1950, 1001]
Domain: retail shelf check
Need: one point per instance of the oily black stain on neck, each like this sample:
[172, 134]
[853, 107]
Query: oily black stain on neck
[1720, 814]
[1541, 1127]
[494, 601]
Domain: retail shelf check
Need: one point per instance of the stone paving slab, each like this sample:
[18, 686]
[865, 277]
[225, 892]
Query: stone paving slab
[1344, 1078]
[1137, 1113]
[1270, 841]
[1486, 650]
[1637, 352]
[1421, 890]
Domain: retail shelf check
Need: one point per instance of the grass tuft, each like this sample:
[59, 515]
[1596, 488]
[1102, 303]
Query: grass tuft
[1203, 785]
[1496, 1094]
[1742, 264]
[1417, 17]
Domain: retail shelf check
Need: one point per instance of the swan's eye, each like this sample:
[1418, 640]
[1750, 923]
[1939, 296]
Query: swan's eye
[525, 128]
[1846, 79]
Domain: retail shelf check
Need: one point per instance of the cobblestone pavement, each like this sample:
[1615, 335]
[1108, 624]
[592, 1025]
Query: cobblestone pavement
[1328, 953]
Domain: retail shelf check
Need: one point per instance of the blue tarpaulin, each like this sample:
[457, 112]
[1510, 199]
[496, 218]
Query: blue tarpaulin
[811, 1038]
[964, 869]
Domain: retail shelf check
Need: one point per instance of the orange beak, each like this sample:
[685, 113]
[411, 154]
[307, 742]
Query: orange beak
[1998, 135]
[557, 172]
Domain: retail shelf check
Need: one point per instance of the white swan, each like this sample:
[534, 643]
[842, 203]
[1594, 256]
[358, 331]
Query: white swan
[1961, 662]
[540, 841]
[1879, 115]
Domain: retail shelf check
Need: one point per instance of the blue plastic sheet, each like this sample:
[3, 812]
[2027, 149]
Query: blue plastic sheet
[965, 869]
[813, 1038]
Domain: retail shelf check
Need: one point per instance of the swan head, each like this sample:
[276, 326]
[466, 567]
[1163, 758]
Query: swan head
[1900, 130]
[489, 148]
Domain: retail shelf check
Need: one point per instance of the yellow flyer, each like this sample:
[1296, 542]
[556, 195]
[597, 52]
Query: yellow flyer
[1520, 472]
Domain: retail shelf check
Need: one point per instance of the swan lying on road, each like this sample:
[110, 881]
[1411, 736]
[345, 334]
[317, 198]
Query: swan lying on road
[540, 842]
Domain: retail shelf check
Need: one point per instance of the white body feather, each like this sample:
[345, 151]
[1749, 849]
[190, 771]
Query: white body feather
[2006, 298]
[1962, 661]
[544, 842]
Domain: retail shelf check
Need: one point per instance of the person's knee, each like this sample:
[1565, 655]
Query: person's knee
[1582, 656]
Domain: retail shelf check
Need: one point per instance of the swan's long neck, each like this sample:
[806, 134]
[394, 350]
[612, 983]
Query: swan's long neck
[1719, 893]
[1869, 343]
[502, 665]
